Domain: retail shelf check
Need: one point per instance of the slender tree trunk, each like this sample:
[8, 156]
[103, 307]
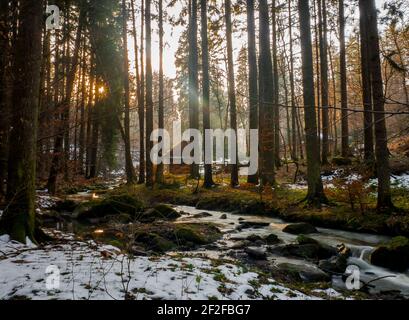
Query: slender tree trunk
[208, 179]
[193, 79]
[292, 87]
[149, 101]
[322, 13]
[141, 104]
[253, 74]
[369, 155]
[317, 69]
[19, 218]
[266, 99]
[368, 8]
[344, 93]
[81, 138]
[276, 89]
[232, 93]
[93, 165]
[89, 117]
[315, 188]
[129, 168]
[161, 120]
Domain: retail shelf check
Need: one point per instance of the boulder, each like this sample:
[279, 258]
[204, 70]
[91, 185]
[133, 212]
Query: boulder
[303, 272]
[256, 253]
[167, 211]
[335, 264]
[252, 224]
[271, 239]
[253, 238]
[316, 251]
[393, 255]
[202, 215]
[300, 228]
[223, 216]
[109, 206]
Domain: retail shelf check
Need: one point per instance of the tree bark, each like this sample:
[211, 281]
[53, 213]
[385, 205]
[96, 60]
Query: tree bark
[161, 120]
[344, 91]
[276, 89]
[253, 74]
[129, 168]
[324, 78]
[368, 8]
[208, 177]
[234, 180]
[315, 188]
[4, 94]
[193, 79]
[369, 155]
[19, 218]
[266, 99]
[149, 101]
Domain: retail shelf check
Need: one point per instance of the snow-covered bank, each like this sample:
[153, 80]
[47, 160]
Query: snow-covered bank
[79, 270]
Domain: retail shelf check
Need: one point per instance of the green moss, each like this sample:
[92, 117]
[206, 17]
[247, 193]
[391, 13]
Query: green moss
[114, 204]
[197, 233]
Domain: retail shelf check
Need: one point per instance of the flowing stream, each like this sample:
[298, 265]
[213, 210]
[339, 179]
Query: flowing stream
[361, 245]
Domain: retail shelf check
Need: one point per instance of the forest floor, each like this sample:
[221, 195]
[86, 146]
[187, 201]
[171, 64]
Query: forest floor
[111, 256]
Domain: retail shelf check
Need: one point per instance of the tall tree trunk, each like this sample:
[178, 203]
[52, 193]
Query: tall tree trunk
[315, 188]
[141, 102]
[232, 93]
[208, 178]
[81, 137]
[266, 99]
[344, 93]
[19, 218]
[149, 101]
[368, 8]
[369, 155]
[4, 94]
[322, 13]
[276, 89]
[161, 120]
[317, 69]
[129, 168]
[253, 74]
[193, 78]
[292, 88]
[89, 117]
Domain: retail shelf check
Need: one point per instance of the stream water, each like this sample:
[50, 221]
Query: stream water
[361, 244]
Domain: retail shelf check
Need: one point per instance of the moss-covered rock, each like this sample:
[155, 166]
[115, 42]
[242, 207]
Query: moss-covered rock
[198, 234]
[300, 228]
[154, 242]
[302, 239]
[393, 255]
[167, 211]
[302, 273]
[271, 239]
[313, 251]
[115, 204]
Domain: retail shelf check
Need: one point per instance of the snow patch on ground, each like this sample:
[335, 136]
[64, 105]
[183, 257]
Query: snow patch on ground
[84, 270]
[401, 181]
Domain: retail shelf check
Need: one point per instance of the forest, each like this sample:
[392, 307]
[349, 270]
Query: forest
[204, 150]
